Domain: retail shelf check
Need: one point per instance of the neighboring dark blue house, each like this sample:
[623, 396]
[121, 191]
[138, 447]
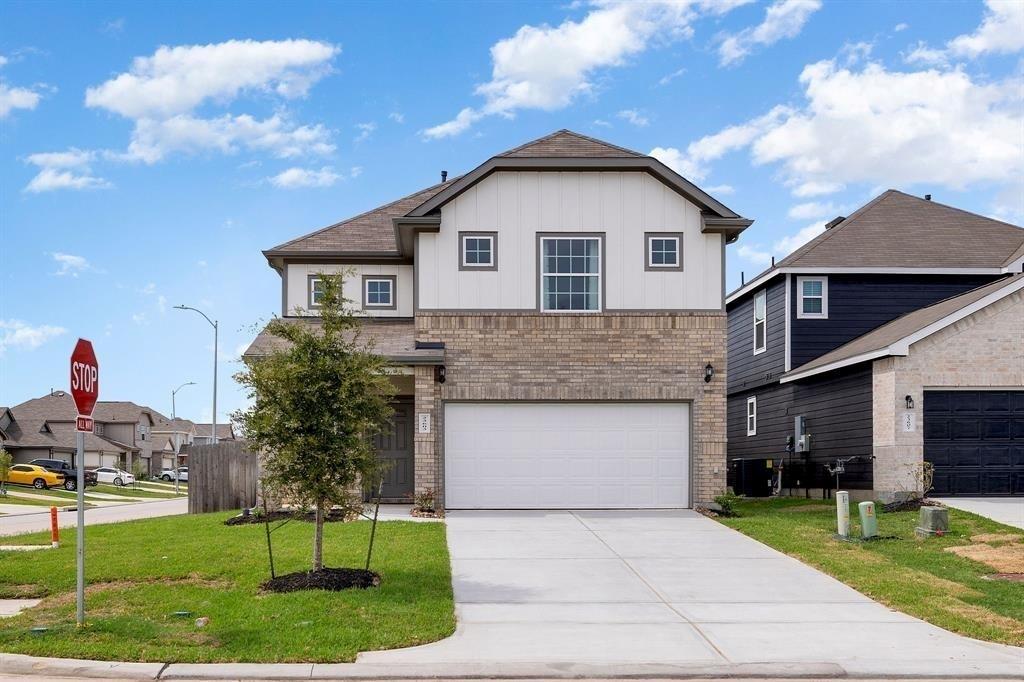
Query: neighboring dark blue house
[895, 338]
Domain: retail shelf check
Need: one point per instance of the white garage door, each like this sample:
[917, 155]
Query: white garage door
[566, 455]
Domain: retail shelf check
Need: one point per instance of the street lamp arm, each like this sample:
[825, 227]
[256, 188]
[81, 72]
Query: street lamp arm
[186, 307]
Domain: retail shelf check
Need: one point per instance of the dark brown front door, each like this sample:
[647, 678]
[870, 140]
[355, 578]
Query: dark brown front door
[395, 450]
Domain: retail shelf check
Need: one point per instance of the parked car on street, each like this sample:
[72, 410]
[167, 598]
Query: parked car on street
[181, 473]
[38, 477]
[114, 475]
[70, 473]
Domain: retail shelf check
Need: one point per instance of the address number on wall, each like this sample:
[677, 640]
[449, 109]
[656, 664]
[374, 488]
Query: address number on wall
[909, 422]
[423, 422]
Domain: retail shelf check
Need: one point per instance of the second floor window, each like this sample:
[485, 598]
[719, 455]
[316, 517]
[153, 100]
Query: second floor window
[316, 292]
[478, 251]
[570, 273]
[378, 292]
[664, 251]
[812, 297]
[760, 321]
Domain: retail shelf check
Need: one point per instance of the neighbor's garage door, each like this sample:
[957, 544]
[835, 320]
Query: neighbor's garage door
[566, 455]
[975, 439]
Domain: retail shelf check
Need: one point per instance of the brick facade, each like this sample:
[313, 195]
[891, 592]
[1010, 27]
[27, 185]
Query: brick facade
[980, 351]
[609, 357]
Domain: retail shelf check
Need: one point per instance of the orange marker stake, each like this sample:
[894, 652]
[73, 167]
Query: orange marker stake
[54, 531]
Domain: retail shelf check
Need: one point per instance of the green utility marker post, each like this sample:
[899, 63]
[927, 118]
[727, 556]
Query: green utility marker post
[868, 521]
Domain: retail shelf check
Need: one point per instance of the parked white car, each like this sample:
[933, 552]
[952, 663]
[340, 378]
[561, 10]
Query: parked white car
[181, 473]
[115, 476]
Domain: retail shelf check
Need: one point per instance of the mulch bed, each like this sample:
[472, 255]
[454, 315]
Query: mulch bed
[427, 513]
[333, 516]
[334, 579]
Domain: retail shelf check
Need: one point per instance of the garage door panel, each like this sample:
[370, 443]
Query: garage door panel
[580, 455]
[975, 440]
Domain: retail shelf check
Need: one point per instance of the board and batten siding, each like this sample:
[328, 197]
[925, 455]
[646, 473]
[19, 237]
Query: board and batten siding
[519, 204]
[838, 410]
[745, 369]
[297, 290]
[858, 303]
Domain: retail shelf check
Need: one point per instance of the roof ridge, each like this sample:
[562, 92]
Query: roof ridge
[573, 133]
[831, 232]
[361, 215]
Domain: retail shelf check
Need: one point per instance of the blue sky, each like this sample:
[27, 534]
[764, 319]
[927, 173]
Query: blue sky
[149, 151]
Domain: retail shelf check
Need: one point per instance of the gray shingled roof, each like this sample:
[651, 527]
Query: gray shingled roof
[59, 435]
[893, 332]
[370, 232]
[394, 339]
[224, 431]
[900, 230]
[120, 411]
[566, 143]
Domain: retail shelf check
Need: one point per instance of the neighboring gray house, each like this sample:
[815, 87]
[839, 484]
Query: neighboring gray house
[557, 317]
[178, 432]
[204, 433]
[896, 337]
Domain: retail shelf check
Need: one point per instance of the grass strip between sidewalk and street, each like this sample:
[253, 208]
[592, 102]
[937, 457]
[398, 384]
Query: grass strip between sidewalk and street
[139, 573]
[916, 576]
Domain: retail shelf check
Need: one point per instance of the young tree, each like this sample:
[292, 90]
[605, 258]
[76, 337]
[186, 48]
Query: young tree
[317, 402]
[5, 469]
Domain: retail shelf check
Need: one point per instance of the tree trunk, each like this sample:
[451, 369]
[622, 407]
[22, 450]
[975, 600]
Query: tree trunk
[318, 537]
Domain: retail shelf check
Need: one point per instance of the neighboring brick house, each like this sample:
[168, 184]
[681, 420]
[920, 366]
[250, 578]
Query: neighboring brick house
[894, 338]
[45, 428]
[558, 317]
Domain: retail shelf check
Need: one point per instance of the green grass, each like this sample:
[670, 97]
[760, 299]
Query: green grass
[108, 489]
[140, 572]
[11, 499]
[908, 574]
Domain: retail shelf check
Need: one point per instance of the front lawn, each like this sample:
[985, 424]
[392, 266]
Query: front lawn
[914, 576]
[141, 572]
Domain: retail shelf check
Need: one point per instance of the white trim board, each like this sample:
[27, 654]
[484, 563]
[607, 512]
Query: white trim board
[902, 346]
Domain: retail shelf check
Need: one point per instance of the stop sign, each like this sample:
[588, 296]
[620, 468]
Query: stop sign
[85, 377]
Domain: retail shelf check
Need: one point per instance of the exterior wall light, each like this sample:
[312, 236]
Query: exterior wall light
[709, 372]
[910, 402]
[440, 374]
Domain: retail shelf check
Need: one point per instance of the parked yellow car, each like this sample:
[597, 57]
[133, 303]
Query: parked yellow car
[37, 477]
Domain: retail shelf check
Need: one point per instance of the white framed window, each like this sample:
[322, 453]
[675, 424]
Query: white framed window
[316, 291]
[570, 274]
[812, 297]
[379, 292]
[752, 416]
[478, 251]
[664, 251]
[760, 321]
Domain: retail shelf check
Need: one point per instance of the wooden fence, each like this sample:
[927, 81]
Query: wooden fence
[221, 477]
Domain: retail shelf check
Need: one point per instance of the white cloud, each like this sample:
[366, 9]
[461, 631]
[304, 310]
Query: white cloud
[148, 290]
[883, 128]
[1001, 32]
[18, 334]
[63, 170]
[12, 98]
[397, 117]
[782, 19]
[113, 27]
[811, 210]
[601, 122]
[201, 263]
[294, 178]
[365, 130]
[720, 189]
[355, 172]
[161, 303]
[761, 255]
[71, 264]
[139, 318]
[754, 254]
[162, 92]
[548, 67]
[634, 117]
[902, 26]
[669, 77]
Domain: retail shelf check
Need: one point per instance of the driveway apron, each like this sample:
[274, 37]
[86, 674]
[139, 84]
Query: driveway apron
[623, 590]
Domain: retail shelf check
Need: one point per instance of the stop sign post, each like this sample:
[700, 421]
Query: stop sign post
[85, 389]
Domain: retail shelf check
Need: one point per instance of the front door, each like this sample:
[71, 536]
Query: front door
[395, 451]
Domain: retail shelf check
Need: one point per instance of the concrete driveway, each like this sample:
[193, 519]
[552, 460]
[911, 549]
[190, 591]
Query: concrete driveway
[659, 592]
[1008, 510]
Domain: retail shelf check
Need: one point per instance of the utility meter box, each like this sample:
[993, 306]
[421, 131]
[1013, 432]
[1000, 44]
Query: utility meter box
[932, 522]
[800, 434]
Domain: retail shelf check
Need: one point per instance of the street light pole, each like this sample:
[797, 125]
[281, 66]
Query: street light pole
[213, 323]
[177, 442]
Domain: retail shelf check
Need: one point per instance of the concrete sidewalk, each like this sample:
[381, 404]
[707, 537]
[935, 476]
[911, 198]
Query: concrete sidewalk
[113, 513]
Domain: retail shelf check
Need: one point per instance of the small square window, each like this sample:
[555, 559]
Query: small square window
[379, 292]
[812, 298]
[477, 251]
[664, 251]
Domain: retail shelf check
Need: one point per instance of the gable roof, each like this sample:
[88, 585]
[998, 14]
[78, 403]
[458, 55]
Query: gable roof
[224, 431]
[121, 411]
[566, 143]
[898, 230]
[894, 338]
[374, 233]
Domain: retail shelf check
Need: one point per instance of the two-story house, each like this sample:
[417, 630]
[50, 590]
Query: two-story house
[557, 316]
[896, 337]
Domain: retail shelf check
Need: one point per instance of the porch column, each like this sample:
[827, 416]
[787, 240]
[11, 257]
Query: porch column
[427, 446]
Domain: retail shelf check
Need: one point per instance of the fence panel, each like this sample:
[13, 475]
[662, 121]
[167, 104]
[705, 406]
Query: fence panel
[221, 477]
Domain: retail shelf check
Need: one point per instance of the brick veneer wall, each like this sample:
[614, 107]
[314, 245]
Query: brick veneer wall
[985, 349]
[613, 356]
